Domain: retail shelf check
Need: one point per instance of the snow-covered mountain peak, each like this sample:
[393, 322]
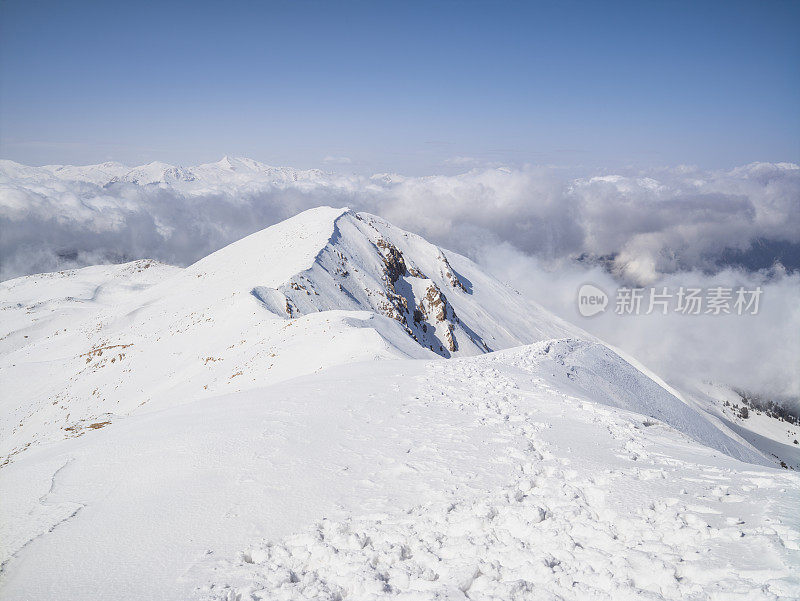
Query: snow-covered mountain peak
[99, 174]
[332, 259]
[244, 171]
[273, 255]
[228, 163]
[228, 173]
[155, 173]
[325, 287]
[243, 164]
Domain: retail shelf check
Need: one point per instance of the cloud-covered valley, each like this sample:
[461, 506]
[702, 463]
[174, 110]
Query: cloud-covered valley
[640, 225]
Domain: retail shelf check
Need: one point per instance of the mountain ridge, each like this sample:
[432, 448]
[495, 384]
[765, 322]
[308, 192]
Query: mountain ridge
[272, 306]
[155, 173]
[325, 287]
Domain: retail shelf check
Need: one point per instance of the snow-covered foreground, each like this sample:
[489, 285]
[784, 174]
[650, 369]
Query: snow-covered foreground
[470, 478]
[314, 412]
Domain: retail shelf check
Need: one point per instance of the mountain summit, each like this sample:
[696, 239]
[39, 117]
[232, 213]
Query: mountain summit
[334, 259]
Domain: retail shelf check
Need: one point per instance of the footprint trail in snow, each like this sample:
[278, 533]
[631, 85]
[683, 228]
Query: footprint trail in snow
[602, 507]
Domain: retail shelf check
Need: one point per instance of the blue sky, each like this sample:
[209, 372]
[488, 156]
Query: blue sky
[401, 86]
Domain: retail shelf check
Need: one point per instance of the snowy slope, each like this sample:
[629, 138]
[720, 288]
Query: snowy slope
[469, 478]
[96, 174]
[324, 410]
[99, 175]
[239, 170]
[774, 437]
[325, 287]
[589, 369]
[155, 173]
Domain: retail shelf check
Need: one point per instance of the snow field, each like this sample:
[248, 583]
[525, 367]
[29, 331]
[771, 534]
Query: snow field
[556, 532]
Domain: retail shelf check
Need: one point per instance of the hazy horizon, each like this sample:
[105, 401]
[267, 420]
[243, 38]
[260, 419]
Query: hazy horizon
[413, 88]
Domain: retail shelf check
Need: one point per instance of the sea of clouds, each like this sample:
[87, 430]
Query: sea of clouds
[541, 230]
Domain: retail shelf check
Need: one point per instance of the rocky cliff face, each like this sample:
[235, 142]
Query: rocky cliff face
[368, 264]
[383, 279]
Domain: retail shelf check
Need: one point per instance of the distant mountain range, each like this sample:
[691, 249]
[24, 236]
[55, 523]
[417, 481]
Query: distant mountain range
[226, 170]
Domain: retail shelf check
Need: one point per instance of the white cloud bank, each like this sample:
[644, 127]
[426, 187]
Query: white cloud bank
[674, 226]
[642, 225]
[333, 160]
[758, 353]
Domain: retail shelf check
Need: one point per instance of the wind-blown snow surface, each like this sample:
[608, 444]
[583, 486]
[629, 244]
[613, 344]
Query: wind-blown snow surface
[223, 431]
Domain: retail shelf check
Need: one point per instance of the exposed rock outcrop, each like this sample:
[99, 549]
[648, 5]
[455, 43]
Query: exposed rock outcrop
[450, 275]
[363, 267]
[395, 265]
[435, 308]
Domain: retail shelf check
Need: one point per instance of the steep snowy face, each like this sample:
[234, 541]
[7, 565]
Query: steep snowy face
[590, 370]
[334, 259]
[368, 264]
